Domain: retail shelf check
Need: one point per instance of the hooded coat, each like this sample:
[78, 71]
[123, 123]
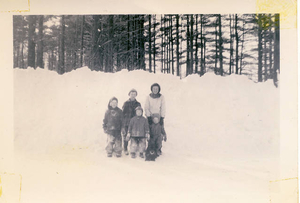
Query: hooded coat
[113, 119]
[156, 129]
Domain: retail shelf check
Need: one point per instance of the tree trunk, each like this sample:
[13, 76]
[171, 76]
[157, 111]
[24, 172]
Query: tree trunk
[192, 45]
[168, 47]
[242, 54]
[221, 45]
[177, 44]
[31, 43]
[110, 55]
[142, 43]
[196, 48]
[154, 45]
[270, 47]
[61, 67]
[188, 47]
[162, 44]
[172, 45]
[276, 50]
[231, 45]
[259, 48]
[216, 47]
[265, 56]
[150, 48]
[202, 47]
[81, 46]
[40, 43]
[237, 46]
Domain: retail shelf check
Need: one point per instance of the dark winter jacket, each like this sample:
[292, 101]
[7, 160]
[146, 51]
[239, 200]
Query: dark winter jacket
[138, 127]
[156, 130]
[113, 119]
[129, 110]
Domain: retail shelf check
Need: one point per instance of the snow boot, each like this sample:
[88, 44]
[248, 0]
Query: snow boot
[142, 155]
[133, 155]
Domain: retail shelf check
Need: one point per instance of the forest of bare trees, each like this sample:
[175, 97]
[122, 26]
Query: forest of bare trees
[246, 44]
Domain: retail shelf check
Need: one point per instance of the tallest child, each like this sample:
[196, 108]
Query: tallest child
[155, 103]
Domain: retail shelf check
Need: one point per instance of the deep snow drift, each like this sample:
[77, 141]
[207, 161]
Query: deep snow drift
[223, 138]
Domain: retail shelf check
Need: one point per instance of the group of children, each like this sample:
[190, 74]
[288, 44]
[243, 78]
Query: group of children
[129, 124]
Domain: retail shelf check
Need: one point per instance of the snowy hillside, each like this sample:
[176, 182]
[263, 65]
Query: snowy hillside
[223, 138]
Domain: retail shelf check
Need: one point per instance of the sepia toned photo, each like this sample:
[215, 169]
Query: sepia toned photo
[151, 106]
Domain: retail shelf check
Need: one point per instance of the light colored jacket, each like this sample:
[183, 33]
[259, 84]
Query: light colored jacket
[155, 105]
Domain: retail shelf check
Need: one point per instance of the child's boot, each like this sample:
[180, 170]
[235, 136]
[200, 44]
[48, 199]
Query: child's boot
[142, 155]
[132, 155]
[109, 155]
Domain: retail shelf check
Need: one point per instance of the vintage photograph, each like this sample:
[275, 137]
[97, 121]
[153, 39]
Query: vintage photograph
[148, 107]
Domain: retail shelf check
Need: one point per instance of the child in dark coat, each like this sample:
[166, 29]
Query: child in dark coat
[112, 125]
[128, 113]
[138, 132]
[157, 134]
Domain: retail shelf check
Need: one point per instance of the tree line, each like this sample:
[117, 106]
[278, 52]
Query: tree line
[181, 45]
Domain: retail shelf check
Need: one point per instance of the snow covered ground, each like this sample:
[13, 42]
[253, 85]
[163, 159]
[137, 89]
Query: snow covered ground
[223, 138]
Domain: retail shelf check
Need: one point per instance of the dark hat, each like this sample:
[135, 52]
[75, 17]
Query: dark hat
[155, 115]
[132, 90]
[156, 84]
[139, 108]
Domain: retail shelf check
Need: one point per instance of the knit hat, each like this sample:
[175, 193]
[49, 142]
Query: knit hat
[156, 84]
[139, 108]
[132, 90]
[112, 99]
[155, 115]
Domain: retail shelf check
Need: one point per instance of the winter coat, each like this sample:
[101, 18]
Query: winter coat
[138, 127]
[155, 104]
[156, 130]
[129, 110]
[112, 122]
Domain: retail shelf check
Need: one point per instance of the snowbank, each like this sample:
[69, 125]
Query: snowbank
[209, 115]
[223, 138]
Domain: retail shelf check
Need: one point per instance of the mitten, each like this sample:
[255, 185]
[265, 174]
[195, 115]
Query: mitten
[149, 120]
[128, 137]
[161, 122]
[105, 130]
[123, 132]
[165, 137]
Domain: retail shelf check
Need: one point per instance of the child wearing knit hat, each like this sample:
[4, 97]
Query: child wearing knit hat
[138, 132]
[128, 113]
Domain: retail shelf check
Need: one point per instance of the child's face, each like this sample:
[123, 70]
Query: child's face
[155, 89]
[113, 103]
[138, 112]
[132, 95]
[155, 120]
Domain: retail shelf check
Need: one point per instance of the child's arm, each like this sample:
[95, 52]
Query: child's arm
[147, 107]
[147, 129]
[105, 122]
[163, 107]
[129, 129]
[163, 132]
